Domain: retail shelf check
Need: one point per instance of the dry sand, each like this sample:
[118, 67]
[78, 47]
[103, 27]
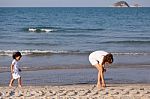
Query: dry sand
[84, 91]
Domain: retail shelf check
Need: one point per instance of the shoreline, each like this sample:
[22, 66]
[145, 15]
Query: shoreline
[82, 91]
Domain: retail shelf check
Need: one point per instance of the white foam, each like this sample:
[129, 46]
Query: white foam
[130, 53]
[40, 30]
[30, 52]
[37, 51]
[32, 29]
[47, 30]
[7, 52]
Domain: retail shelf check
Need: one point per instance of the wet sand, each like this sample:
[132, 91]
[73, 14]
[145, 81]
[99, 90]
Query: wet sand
[79, 91]
[79, 76]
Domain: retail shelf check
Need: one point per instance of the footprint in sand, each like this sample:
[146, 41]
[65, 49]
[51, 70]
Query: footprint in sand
[39, 93]
[110, 97]
[111, 89]
[71, 93]
[51, 93]
[93, 93]
[124, 92]
[130, 89]
[144, 92]
[141, 89]
[104, 92]
[126, 97]
[7, 94]
[61, 93]
[28, 94]
[18, 94]
[113, 92]
[145, 97]
[83, 92]
[134, 92]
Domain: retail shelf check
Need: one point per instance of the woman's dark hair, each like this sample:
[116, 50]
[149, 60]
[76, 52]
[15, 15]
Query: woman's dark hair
[108, 58]
[16, 54]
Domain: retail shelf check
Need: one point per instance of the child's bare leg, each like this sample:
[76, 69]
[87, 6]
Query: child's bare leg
[19, 82]
[11, 82]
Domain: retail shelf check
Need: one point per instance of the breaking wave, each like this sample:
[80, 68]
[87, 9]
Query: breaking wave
[59, 29]
[35, 52]
[50, 52]
[40, 30]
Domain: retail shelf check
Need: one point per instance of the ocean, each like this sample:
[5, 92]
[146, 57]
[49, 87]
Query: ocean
[61, 38]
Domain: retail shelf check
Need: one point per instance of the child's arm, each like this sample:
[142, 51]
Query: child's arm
[12, 68]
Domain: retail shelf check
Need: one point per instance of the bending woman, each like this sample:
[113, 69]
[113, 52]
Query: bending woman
[98, 59]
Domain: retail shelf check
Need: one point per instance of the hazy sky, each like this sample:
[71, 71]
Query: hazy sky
[68, 3]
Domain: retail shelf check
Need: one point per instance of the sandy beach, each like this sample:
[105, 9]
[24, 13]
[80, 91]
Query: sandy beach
[83, 91]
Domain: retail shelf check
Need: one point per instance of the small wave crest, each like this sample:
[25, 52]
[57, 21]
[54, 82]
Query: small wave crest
[40, 30]
[35, 52]
[129, 42]
[56, 29]
[131, 53]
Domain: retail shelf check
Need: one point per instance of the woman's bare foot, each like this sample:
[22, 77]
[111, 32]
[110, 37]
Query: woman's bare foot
[10, 85]
[99, 86]
[103, 85]
[19, 86]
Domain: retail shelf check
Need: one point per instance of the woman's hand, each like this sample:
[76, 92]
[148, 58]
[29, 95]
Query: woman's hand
[104, 69]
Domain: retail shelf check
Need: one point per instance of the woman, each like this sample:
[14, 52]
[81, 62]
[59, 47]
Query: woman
[99, 59]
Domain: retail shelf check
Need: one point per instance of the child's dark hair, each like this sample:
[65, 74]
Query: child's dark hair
[16, 54]
[108, 58]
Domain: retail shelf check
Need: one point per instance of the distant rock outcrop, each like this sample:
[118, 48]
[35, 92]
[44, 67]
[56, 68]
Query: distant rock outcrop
[137, 5]
[121, 4]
